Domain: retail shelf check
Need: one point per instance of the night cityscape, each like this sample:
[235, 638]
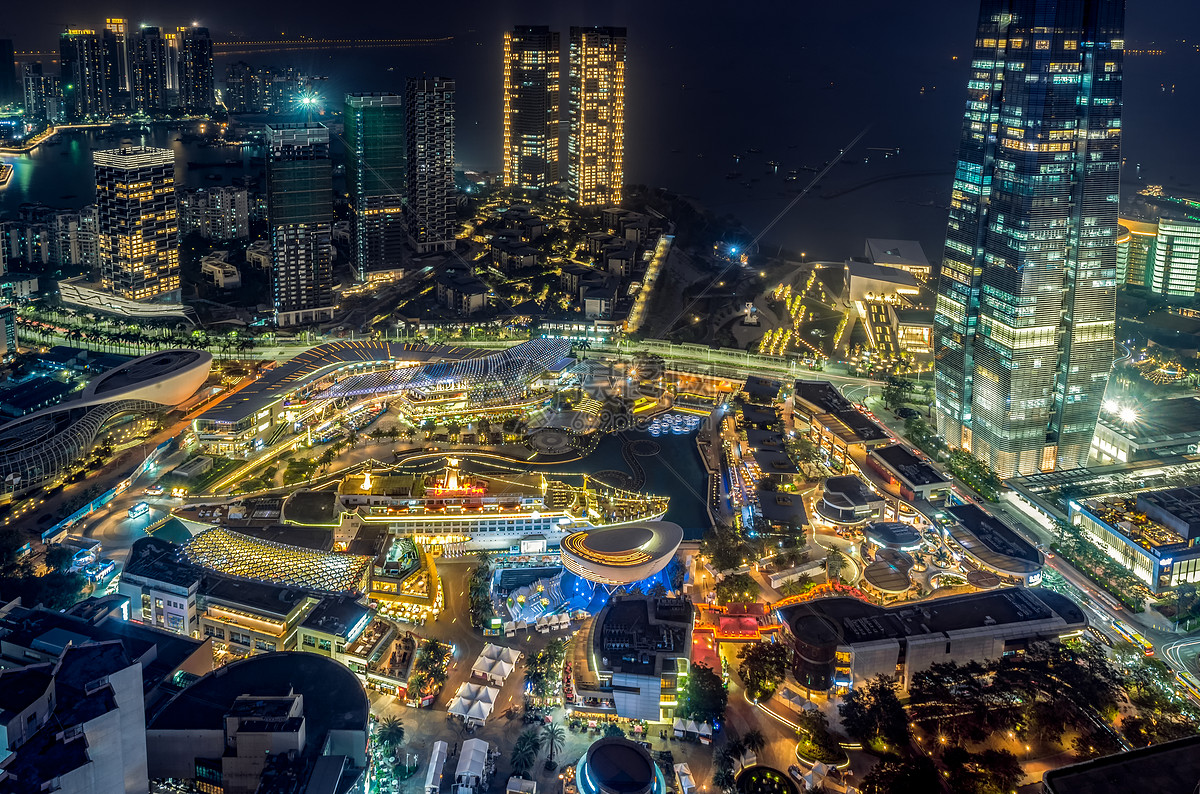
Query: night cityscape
[600, 398]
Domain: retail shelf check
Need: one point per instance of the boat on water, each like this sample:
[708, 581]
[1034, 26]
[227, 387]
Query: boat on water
[491, 510]
[6, 172]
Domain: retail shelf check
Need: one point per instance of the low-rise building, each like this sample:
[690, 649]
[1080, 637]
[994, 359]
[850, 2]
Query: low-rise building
[216, 270]
[835, 424]
[843, 642]
[462, 293]
[636, 651]
[1158, 429]
[905, 255]
[993, 545]
[1153, 534]
[258, 255]
[848, 501]
[916, 478]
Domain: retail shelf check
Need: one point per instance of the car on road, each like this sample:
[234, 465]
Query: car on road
[796, 773]
[153, 490]
[905, 412]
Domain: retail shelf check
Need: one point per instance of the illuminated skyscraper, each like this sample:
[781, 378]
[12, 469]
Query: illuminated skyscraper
[532, 98]
[299, 220]
[196, 70]
[375, 174]
[429, 130]
[82, 74]
[1026, 303]
[596, 140]
[148, 71]
[136, 222]
[116, 27]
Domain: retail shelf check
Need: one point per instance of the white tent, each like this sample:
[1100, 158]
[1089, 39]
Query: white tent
[687, 783]
[433, 777]
[692, 727]
[706, 735]
[499, 652]
[474, 703]
[680, 727]
[472, 762]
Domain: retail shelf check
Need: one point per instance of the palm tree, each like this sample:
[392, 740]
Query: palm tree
[754, 740]
[525, 752]
[553, 739]
[390, 733]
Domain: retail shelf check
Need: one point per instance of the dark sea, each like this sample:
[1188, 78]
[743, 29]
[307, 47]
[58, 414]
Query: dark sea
[792, 82]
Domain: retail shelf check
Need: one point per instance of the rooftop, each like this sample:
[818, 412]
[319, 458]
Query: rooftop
[337, 616]
[635, 634]
[850, 489]
[908, 465]
[782, 507]
[867, 270]
[1167, 767]
[848, 422]
[762, 390]
[896, 253]
[992, 542]
[844, 620]
[1160, 421]
[269, 599]
[156, 559]
[235, 554]
[333, 697]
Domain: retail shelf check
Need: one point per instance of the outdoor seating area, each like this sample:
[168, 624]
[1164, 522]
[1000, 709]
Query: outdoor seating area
[690, 729]
[544, 625]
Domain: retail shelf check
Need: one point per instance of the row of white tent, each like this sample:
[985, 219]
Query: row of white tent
[474, 703]
[544, 624]
[495, 663]
[703, 729]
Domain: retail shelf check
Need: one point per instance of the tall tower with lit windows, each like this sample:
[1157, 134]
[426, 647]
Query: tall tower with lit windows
[1026, 306]
[376, 169]
[137, 230]
[532, 101]
[596, 139]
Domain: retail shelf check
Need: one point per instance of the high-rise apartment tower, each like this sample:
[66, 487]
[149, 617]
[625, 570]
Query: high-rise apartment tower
[532, 102]
[375, 175]
[596, 136]
[430, 214]
[137, 226]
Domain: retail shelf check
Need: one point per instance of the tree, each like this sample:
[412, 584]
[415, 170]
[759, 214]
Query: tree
[896, 392]
[553, 739]
[763, 666]
[754, 740]
[834, 564]
[737, 588]
[873, 711]
[613, 731]
[525, 752]
[658, 589]
[723, 777]
[704, 695]
[722, 548]
[390, 733]
[59, 558]
[892, 775]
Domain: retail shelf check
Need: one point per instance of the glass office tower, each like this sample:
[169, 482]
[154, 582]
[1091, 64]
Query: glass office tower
[1026, 302]
[300, 221]
[532, 89]
[375, 172]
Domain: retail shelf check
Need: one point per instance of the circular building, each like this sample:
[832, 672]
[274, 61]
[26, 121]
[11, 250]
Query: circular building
[618, 766]
[889, 572]
[893, 535]
[623, 554]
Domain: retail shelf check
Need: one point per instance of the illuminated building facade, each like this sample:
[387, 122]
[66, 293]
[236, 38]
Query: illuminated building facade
[82, 74]
[148, 71]
[300, 218]
[596, 141]
[430, 214]
[115, 31]
[1135, 251]
[1174, 270]
[532, 90]
[375, 174]
[196, 69]
[138, 229]
[1026, 303]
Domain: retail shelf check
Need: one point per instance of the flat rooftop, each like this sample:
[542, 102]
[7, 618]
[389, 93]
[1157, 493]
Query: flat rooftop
[896, 253]
[1160, 421]
[1167, 767]
[992, 542]
[762, 390]
[852, 490]
[782, 507]
[755, 415]
[156, 559]
[837, 413]
[908, 465]
[844, 620]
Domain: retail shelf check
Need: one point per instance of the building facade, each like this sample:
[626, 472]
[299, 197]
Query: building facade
[376, 170]
[82, 74]
[532, 104]
[196, 70]
[1175, 267]
[138, 229]
[430, 213]
[1026, 304]
[148, 71]
[220, 213]
[300, 219]
[596, 138]
[115, 31]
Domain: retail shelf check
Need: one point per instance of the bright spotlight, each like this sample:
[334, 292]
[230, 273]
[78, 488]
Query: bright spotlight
[1112, 406]
[1128, 416]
